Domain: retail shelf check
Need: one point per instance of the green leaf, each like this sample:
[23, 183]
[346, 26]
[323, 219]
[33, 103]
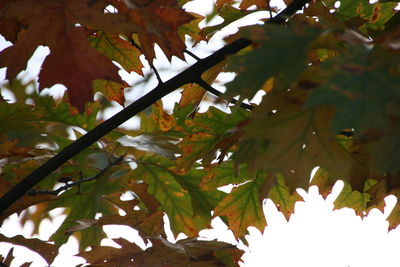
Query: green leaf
[224, 174]
[292, 140]
[283, 198]
[281, 52]
[348, 198]
[243, 207]
[174, 199]
[118, 50]
[353, 90]
[375, 15]
[84, 202]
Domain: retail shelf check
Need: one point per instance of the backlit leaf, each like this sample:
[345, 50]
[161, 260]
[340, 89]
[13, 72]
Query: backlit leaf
[243, 207]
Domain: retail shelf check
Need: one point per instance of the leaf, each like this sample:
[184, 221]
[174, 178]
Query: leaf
[243, 208]
[352, 90]
[283, 198]
[352, 199]
[224, 174]
[174, 199]
[118, 50]
[71, 58]
[194, 147]
[374, 15]
[394, 217]
[113, 91]
[324, 181]
[17, 116]
[157, 22]
[293, 140]
[46, 250]
[187, 252]
[194, 93]
[85, 204]
[110, 256]
[386, 152]
[161, 144]
[280, 53]
[9, 258]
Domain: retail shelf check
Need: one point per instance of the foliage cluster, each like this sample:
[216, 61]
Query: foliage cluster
[331, 75]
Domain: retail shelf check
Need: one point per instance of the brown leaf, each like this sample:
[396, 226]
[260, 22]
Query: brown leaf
[23, 203]
[44, 249]
[157, 22]
[187, 252]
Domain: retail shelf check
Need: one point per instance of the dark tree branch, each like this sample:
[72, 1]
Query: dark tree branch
[190, 75]
[214, 91]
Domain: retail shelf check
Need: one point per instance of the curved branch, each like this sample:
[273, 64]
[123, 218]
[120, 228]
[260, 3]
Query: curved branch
[190, 75]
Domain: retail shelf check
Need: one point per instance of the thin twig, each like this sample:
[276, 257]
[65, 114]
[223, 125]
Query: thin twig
[133, 43]
[77, 183]
[214, 91]
[192, 55]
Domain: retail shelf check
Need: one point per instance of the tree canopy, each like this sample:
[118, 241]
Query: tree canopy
[330, 74]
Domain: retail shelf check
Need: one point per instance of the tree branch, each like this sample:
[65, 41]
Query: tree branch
[190, 75]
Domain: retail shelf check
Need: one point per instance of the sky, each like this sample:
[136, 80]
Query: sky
[315, 235]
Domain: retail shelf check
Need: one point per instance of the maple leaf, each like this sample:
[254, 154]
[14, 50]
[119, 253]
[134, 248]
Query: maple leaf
[280, 53]
[119, 50]
[174, 198]
[352, 89]
[85, 205]
[72, 59]
[223, 174]
[283, 198]
[292, 140]
[243, 207]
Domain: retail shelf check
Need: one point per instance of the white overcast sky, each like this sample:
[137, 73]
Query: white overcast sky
[315, 235]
